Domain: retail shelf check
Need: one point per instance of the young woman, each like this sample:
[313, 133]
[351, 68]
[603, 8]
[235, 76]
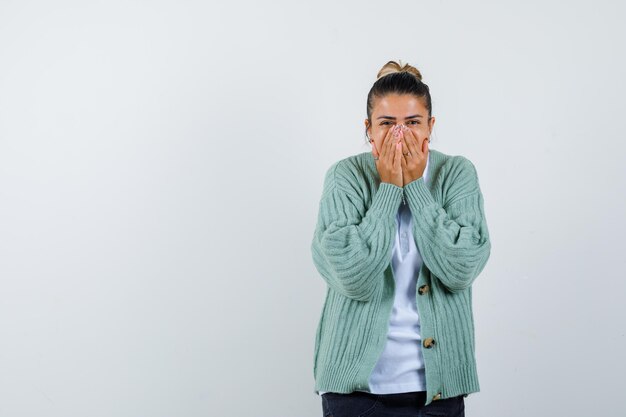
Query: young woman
[401, 236]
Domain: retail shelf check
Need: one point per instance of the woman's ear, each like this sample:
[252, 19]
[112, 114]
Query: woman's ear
[431, 123]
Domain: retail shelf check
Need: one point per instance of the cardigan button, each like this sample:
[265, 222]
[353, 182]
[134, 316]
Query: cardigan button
[437, 397]
[423, 289]
[429, 342]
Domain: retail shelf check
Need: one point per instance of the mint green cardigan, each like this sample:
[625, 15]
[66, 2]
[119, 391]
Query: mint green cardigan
[352, 248]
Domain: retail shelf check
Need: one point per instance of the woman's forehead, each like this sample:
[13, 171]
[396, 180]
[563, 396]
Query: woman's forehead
[403, 105]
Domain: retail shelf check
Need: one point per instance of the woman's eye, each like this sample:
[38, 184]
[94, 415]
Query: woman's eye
[416, 122]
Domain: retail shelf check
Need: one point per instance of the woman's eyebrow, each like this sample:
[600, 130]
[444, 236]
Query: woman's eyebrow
[391, 117]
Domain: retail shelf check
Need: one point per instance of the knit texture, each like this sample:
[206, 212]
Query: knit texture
[352, 249]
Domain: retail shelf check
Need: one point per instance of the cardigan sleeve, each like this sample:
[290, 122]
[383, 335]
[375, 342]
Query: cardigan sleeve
[351, 247]
[453, 239]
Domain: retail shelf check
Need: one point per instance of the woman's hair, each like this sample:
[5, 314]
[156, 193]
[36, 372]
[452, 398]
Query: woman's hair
[397, 79]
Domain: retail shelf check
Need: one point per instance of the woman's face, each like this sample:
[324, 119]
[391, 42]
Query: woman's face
[395, 109]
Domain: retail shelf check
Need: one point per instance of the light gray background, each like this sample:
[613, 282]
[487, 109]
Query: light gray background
[161, 165]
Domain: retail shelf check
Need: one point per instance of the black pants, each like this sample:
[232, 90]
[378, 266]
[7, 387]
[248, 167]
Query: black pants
[406, 404]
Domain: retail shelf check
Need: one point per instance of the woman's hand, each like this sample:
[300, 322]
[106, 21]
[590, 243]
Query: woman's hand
[389, 159]
[414, 156]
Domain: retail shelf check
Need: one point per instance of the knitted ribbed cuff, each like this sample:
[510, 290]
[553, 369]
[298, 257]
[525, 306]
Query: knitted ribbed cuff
[418, 194]
[387, 199]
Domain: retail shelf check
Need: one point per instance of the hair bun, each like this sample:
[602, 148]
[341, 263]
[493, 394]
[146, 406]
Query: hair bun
[393, 66]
